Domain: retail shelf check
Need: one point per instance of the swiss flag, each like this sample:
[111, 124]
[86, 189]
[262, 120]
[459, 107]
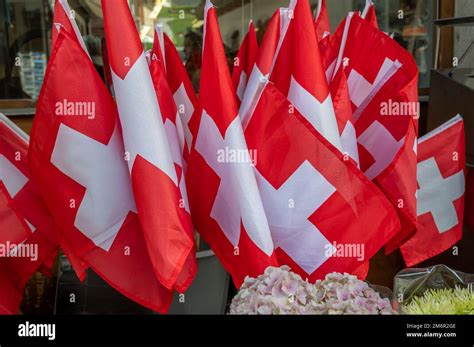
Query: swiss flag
[244, 62]
[440, 194]
[321, 22]
[340, 97]
[24, 257]
[179, 83]
[24, 218]
[369, 13]
[271, 43]
[77, 161]
[318, 205]
[155, 181]
[15, 174]
[178, 147]
[299, 74]
[383, 88]
[225, 202]
[64, 18]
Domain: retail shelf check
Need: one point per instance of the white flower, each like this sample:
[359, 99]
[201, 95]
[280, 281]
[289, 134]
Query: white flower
[280, 291]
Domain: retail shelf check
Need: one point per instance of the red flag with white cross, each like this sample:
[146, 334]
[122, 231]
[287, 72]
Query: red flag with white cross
[299, 74]
[440, 194]
[340, 96]
[244, 62]
[225, 202]
[324, 214]
[179, 83]
[321, 22]
[19, 261]
[383, 88]
[166, 223]
[368, 13]
[77, 161]
[64, 17]
[28, 235]
[177, 143]
[274, 34]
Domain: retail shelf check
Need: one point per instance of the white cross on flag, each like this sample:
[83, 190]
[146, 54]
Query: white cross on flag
[225, 202]
[175, 134]
[298, 73]
[155, 183]
[383, 88]
[440, 194]
[77, 161]
[244, 62]
[340, 96]
[319, 206]
[179, 83]
[24, 219]
[274, 34]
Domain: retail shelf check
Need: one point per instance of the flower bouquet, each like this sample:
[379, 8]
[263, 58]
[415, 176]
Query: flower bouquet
[434, 290]
[442, 301]
[280, 291]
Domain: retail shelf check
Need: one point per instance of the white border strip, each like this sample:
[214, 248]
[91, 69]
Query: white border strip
[68, 11]
[456, 119]
[24, 136]
[161, 38]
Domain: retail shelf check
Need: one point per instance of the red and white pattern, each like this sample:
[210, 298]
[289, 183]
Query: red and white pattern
[440, 194]
[271, 44]
[24, 219]
[244, 62]
[177, 142]
[368, 13]
[340, 96]
[166, 224]
[225, 202]
[17, 269]
[78, 165]
[64, 18]
[321, 21]
[387, 77]
[180, 85]
[311, 206]
[299, 74]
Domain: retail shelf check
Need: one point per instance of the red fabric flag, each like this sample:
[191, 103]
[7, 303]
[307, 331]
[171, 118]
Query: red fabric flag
[24, 219]
[77, 161]
[299, 74]
[274, 34]
[166, 223]
[440, 194]
[244, 62]
[226, 206]
[15, 175]
[340, 96]
[321, 22]
[19, 261]
[383, 89]
[324, 214]
[177, 142]
[180, 85]
[369, 14]
[64, 18]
